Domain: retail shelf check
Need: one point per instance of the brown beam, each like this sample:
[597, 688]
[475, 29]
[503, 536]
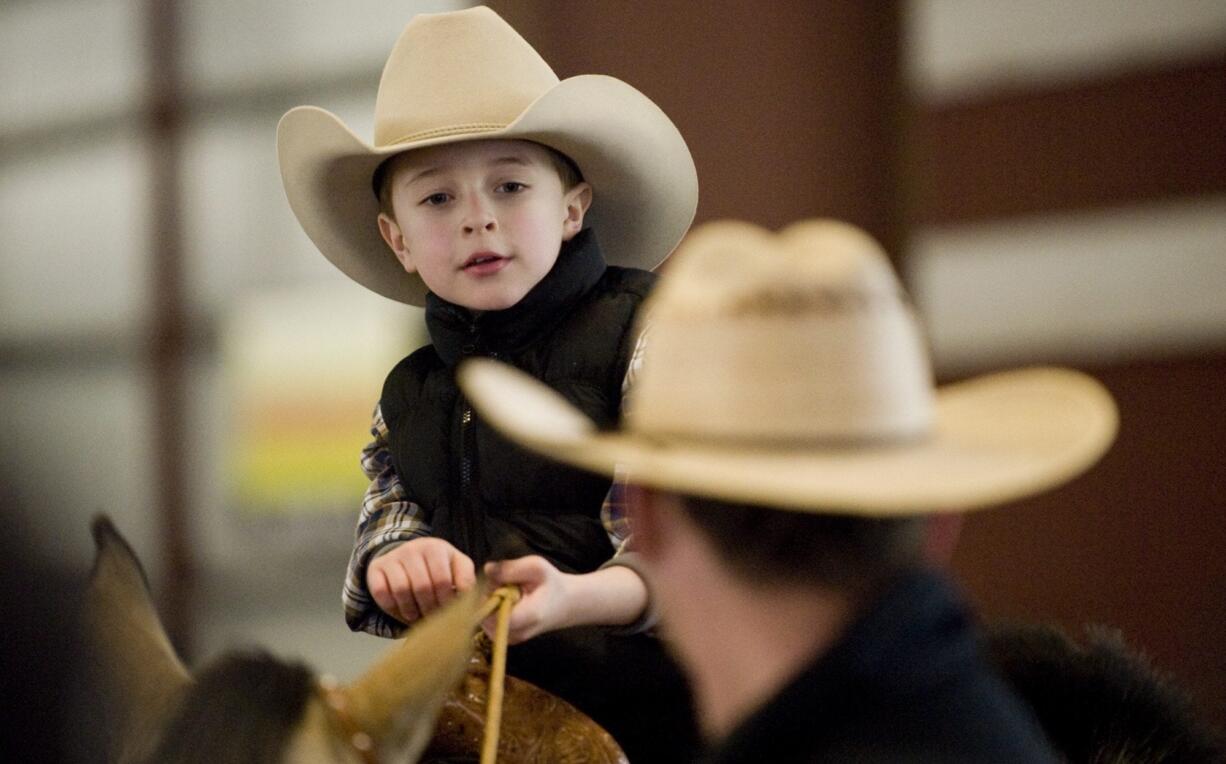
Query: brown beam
[1132, 138]
[791, 109]
[168, 351]
[1134, 544]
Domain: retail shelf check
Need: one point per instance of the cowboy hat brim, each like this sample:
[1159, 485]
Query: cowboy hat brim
[645, 187]
[996, 438]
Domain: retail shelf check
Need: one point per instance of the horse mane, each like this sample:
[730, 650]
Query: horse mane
[244, 707]
[1101, 701]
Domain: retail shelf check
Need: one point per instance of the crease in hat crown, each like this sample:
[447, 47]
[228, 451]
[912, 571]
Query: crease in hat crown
[459, 73]
[747, 316]
[784, 278]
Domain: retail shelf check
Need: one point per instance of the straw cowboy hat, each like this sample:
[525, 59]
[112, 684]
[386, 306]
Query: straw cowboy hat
[468, 75]
[788, 370]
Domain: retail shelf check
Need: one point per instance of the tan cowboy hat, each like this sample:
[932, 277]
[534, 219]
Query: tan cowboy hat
[468, 75]
[789, 370]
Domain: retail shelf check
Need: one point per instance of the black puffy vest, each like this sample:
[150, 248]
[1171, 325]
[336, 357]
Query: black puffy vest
[484, 494]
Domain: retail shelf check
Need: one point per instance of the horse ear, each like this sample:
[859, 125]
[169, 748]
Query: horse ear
[133, 666]
[397, 701]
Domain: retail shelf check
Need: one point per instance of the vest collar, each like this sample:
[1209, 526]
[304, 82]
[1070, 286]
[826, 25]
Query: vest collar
[456, 332]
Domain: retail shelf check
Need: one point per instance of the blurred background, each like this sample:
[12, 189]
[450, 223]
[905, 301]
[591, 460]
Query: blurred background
[1050, 178]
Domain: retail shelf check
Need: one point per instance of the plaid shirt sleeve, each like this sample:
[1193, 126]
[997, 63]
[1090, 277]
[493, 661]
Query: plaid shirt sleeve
[613, 511]
[388, 518]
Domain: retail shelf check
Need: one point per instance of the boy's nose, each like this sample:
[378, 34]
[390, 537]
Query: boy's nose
[479, 217]
[473, 226]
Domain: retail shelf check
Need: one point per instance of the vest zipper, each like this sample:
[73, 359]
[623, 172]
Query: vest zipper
[467, 439]
[466, 462]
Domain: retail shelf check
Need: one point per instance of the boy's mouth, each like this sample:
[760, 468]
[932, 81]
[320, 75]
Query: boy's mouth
[483, 263]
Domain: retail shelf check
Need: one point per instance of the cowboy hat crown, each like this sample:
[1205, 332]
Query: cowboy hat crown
[467, 75]
[714, 312]
[457, 74]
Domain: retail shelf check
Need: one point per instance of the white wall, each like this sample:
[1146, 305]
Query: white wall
[956, 48]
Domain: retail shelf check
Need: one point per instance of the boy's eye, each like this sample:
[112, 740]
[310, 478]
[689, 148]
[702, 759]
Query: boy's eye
[434, 200]
[512, 187]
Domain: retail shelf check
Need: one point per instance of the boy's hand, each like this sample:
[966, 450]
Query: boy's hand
[544, 605]
[418, 577]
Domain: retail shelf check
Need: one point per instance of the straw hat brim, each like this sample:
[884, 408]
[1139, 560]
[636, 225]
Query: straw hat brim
[645, 187]
[997, 438]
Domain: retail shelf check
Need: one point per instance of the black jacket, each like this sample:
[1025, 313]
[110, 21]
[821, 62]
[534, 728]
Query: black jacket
[906, 683]
[479, 491]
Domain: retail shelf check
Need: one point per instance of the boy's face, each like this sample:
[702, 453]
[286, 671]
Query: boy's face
[480, 222]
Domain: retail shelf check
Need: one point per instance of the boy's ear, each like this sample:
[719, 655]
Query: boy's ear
[389, 229]
[577, 200]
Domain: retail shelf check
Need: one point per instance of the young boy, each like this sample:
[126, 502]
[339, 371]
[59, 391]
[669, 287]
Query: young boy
[491, 180]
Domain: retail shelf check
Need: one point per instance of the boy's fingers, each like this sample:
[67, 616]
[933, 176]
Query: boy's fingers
[380, 590]
[384, 593]
[398, 580]
[526, 629]
[438, 567]
[423, 596]
[420, 589]
[523, 617]
[524, 570]
[463, 572]
[514, 635]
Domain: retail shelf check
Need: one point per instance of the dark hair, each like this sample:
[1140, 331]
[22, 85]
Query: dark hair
[1101, 702]
[568, 172]
[839, 551]
[242, 708]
